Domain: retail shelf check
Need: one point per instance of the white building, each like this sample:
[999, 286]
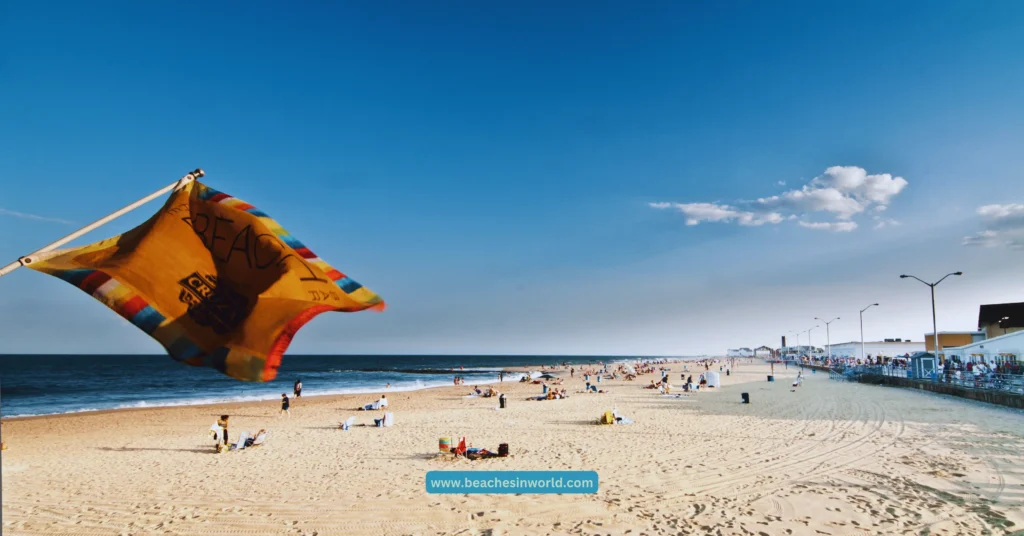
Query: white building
[1005, 348]
[740, 352]
[875, 349]
[800, 351]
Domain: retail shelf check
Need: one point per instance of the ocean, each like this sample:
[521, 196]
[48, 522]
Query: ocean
[51, 384]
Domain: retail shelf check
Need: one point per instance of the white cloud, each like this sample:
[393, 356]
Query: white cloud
[837, 226]
[697, 213]
[814, 200]
[841, 192]
[855, 182]
[1004, 227]
[33, 217]
[881, 223]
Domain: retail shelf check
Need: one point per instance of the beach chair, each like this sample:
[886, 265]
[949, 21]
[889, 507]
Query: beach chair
[348, 423]
[241, 441]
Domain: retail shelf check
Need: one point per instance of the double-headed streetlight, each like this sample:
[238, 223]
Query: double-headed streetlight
[863, 354]
[935, 330]
[810, 352]
[828, 335]
[797, 333]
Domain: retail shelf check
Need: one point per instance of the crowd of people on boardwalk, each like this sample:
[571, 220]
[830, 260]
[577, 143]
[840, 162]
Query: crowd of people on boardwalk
[976, 371]
[950, 365]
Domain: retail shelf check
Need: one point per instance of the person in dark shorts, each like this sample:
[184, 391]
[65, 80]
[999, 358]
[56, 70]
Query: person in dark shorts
[285, 404]
[298, 388]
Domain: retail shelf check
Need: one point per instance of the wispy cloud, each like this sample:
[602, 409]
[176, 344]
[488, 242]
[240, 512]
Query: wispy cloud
[715, 212]
[841, 192]
[1004, 227]
[33, 217]
[837, 226]
[781, 183]
[882, 223]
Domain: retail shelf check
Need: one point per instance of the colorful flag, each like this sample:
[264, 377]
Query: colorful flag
[217, 282]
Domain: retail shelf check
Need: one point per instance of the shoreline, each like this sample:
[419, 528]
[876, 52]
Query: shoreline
[276, 398]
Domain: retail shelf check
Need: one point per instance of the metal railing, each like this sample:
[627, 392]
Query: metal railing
[990, 381]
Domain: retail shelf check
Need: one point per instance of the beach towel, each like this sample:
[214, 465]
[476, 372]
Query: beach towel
[217, 432]
[618, 419]
[233, 294]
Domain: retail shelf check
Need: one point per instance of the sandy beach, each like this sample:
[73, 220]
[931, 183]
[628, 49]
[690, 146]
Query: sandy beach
[831, 458]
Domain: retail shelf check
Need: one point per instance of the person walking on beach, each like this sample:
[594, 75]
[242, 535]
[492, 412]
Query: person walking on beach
[298, 388]
[223, 423]
[285, 404]
[572, 372]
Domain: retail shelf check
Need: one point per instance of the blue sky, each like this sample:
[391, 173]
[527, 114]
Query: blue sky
[493, 171]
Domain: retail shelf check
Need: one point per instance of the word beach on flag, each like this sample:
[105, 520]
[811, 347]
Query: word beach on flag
[217, 282]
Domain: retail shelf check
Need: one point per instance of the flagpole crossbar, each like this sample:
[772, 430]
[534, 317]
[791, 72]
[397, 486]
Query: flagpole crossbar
[33, 257]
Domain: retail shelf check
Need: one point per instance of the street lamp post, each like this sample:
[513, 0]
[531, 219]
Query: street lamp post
[828, 335]
[810, 346]
[797, 333]
[935, 329]
[863, 354]
[1002, 322]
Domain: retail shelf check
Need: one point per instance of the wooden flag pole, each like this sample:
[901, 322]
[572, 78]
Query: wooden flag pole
[30, 258]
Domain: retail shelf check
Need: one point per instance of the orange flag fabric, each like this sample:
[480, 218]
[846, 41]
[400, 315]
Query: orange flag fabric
[217, 282]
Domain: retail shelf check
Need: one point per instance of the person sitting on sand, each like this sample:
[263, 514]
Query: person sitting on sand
[477, 391]
[249, 441]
